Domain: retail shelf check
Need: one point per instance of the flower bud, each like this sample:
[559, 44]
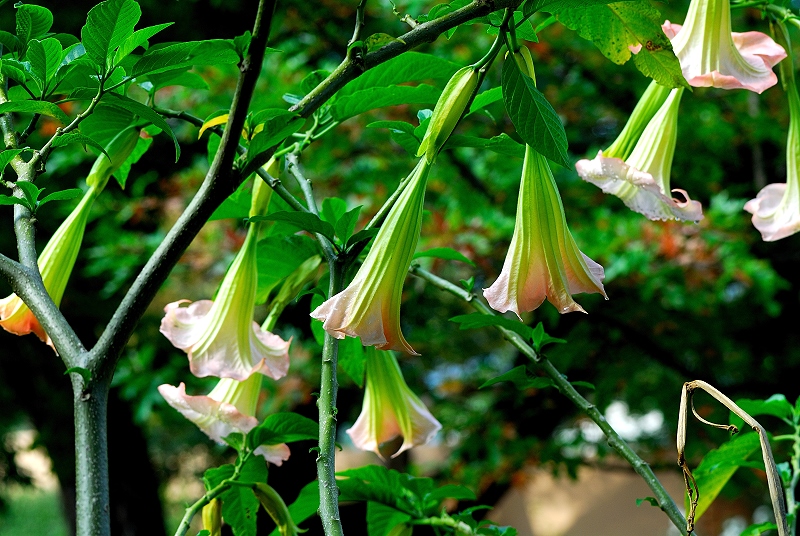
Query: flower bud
[212, 517]
[449, 108]
[118, 150]
[276, 508]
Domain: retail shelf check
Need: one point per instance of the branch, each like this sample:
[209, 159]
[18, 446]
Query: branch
[352, 68]
[614, 440]
[221, 180]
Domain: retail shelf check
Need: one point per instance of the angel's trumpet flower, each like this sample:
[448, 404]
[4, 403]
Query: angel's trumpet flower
[642, 180]
[390, 409]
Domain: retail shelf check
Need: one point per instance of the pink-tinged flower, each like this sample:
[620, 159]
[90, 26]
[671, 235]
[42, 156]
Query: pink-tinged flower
[776, 208]
[370, 306]
[58, 256]
[642, 180]
[711, 55]
[220, 336]
[390, 409]
[229, 408]
[543, 260]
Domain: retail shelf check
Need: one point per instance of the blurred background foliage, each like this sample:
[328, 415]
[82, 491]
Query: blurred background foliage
[704, 301]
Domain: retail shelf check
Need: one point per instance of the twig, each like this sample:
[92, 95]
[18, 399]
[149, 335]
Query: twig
[665, 502]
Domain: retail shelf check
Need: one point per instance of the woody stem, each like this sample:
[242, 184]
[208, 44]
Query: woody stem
[329, 386]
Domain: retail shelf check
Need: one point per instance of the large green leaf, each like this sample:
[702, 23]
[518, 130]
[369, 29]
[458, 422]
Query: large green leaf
[35, 107]
[304, 221]
[146, 113]
[45, 59]
[382, 519]
[480, 320]
[283, 428]
[352, 359]
[279, 256]
[108, 25]
[719, 465]
[616, 27]
[32, 21]
[534, 118]
[350, 105]
[276, 125]
[106, 122]
[776, 405]
[556, 6]
[167, 58]
[239, 504]
[408, 67]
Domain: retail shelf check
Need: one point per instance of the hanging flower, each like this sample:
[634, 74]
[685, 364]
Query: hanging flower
[370, 306]
[711, 55]
[776, 208]
[642, 181]
[229, 408]
[220, 336]
[451, 105]
[390, 409]
[58, 257]
[543, 260]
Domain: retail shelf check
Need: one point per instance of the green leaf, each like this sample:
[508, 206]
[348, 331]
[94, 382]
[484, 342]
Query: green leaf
[105, 123]
[758, 529]
[521, 378]
[379, 484]
[146, 113]
[381, 519]
[305, 506]
[556, 6]
[283, 428]
[241, 43]
[13, 69]
[402, 133]
[10, 41]
[86, 374]
[652, 500]
[408, 67]
[448, 254]
[239, 504]
[278, 124]
[479, 320]
[719, 465]
[347, 106]
[179, 55]
[213, 477]
[10, 200]
[108, 25]
[31, 193]
[135, 40]
[776, 405]
[379, 40]
[179, 77]
[502, 144]
[363, 235]
[45, 58]
[541, 339]
[278, 257]
[62, 195]
[32, 21]
[615, 27]
[305, 221]
[346, 224]
[204, 532]
[451, 491]
[467, 284]
[352, 359]
[35, 107]
[333, 208]
[533, 117]
[76, 137]
[7, 156]
[485, 98]
[121, 174]
[524, 29]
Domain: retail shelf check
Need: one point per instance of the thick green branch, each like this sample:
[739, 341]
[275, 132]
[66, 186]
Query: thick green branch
[614, 440]
[351, 68]
[221, 180]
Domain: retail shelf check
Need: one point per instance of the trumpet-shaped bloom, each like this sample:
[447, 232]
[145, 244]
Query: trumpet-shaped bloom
[390, 409]
[543, 260]
[220, 336]
[642, 181]
[449, 108]
[229, 408]
[370, 306]
[58, 257]
[776, 208]
[711, 55]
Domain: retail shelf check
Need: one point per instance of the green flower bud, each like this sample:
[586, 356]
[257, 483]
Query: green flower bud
[451, 105]
[118, 150]
[276, 508]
